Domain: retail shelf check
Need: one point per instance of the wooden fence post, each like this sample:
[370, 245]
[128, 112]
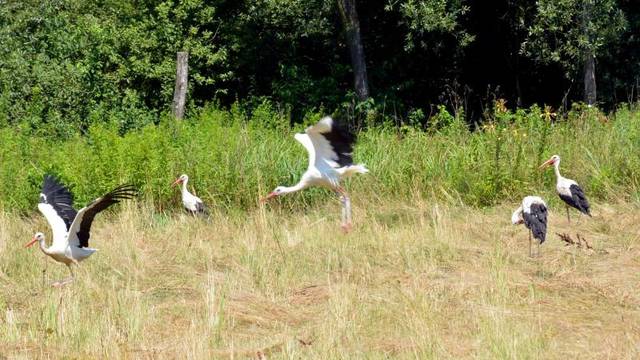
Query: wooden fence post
[180, 92]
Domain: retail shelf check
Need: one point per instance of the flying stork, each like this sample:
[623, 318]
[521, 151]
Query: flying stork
[330, 148]
[191, 203]
[533, 213]
[71, 228]
[568, 190]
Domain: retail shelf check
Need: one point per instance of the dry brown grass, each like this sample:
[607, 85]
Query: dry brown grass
[412, 281]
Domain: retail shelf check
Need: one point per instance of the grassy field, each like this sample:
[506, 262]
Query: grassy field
[413, 280]
[433, 268]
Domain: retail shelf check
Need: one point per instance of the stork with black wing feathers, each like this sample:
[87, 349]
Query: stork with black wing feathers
[71, 228]
[330, 148]
[533, 214]
[568, 190]
[191, 203]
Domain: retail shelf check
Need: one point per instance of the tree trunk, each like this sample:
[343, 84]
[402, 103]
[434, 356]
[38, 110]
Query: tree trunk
[351, 24]
[589, 57]
[590, 78]
[180, 92]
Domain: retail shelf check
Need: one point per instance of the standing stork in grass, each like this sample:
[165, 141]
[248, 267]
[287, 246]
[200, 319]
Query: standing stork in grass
[533, 213]
[568, 190]
[330, 148]
[70, 227]
[191, 203]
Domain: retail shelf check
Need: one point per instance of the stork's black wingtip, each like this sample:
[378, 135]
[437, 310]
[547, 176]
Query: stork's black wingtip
[131, 188]
[124, 192]
[127, 187]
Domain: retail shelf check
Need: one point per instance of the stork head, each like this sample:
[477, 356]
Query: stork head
[554, 160]
[276, 192]
[181, 180]
[37, 237]
[516, 217]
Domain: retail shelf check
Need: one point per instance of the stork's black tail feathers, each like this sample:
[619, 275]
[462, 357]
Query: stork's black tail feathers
[579, 200]
[201, 210]
[536, 221]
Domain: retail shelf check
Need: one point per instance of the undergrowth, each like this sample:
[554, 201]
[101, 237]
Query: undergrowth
[232, 158]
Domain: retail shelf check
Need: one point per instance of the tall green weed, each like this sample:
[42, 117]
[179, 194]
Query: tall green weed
[232, 158]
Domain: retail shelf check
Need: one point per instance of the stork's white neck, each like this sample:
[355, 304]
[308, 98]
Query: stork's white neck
[43, 246]
[184, 187]
[556, 169]
[297, 187]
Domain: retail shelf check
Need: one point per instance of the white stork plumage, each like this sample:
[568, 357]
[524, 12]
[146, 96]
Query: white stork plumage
[330, 148]
[71, 228]
[191, 203]
[533, 213]
[568, 190]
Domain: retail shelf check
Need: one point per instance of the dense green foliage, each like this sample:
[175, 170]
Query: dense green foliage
[85, 89]
[67, 64]
[233, 159]
[554, 36]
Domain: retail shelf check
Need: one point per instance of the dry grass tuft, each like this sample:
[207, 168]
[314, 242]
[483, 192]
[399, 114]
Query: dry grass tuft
[414, 280]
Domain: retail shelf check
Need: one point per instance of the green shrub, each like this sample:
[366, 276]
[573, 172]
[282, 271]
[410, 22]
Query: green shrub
[233, 158]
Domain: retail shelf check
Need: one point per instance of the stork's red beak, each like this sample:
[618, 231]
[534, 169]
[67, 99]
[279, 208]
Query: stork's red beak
[546, 164]
[33, 241]
[271, 195]
[178, 181]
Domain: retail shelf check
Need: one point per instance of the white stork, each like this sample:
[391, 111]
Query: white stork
[330, 148]
[70, 227]
[568, 190]
[533, 213]
[191, 203]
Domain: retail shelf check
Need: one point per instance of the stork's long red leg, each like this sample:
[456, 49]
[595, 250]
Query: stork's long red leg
[346, 210]
[73, 275]
[63, 282]
[530, 253]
